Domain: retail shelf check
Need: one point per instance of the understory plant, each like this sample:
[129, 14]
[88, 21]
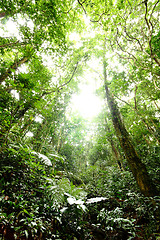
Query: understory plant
[123, 210]
[32, 196]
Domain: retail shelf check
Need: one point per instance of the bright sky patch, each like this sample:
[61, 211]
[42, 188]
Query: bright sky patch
[86, 103]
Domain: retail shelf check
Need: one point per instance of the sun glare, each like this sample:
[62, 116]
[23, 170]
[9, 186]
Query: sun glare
[86, 103]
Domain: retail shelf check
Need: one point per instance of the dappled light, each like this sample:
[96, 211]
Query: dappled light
[79, 120]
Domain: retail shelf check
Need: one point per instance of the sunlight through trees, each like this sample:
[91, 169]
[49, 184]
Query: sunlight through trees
[79, 119]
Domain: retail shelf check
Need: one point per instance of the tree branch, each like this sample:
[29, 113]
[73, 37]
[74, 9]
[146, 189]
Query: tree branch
[12, 44]
[156, 105]
[150, 33]
[155, 84]
[14, 66]
[99, 17]
[64, 84]
[130, 54]
[147, 124]
[145, 17]
[153, 10]
[81, 4]
[131, 37]
[135, 101]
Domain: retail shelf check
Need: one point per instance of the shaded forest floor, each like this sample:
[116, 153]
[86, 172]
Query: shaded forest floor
[39, 202]
[107, 219]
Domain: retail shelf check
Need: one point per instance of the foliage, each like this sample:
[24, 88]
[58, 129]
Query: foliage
[32, 195]
[122, 211]
[55, 182]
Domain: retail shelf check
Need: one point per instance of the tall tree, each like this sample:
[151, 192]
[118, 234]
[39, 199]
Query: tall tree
[137, 167]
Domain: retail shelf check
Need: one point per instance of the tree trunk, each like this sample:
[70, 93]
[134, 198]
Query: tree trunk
[137, 167]
[117, 156]
[115, 150]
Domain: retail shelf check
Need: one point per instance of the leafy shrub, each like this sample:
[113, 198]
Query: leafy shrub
[32, 195]
[108, 183]
[123, 211]
[114, 219]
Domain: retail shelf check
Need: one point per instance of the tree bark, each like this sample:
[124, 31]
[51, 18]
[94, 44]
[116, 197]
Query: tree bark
[14, 66]
[138, 169]
[115, 150]
[2, 14]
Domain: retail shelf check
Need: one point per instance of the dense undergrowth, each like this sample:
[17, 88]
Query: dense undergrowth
[40, 202]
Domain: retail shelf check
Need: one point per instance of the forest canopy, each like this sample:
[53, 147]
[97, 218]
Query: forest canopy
[63, 176]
